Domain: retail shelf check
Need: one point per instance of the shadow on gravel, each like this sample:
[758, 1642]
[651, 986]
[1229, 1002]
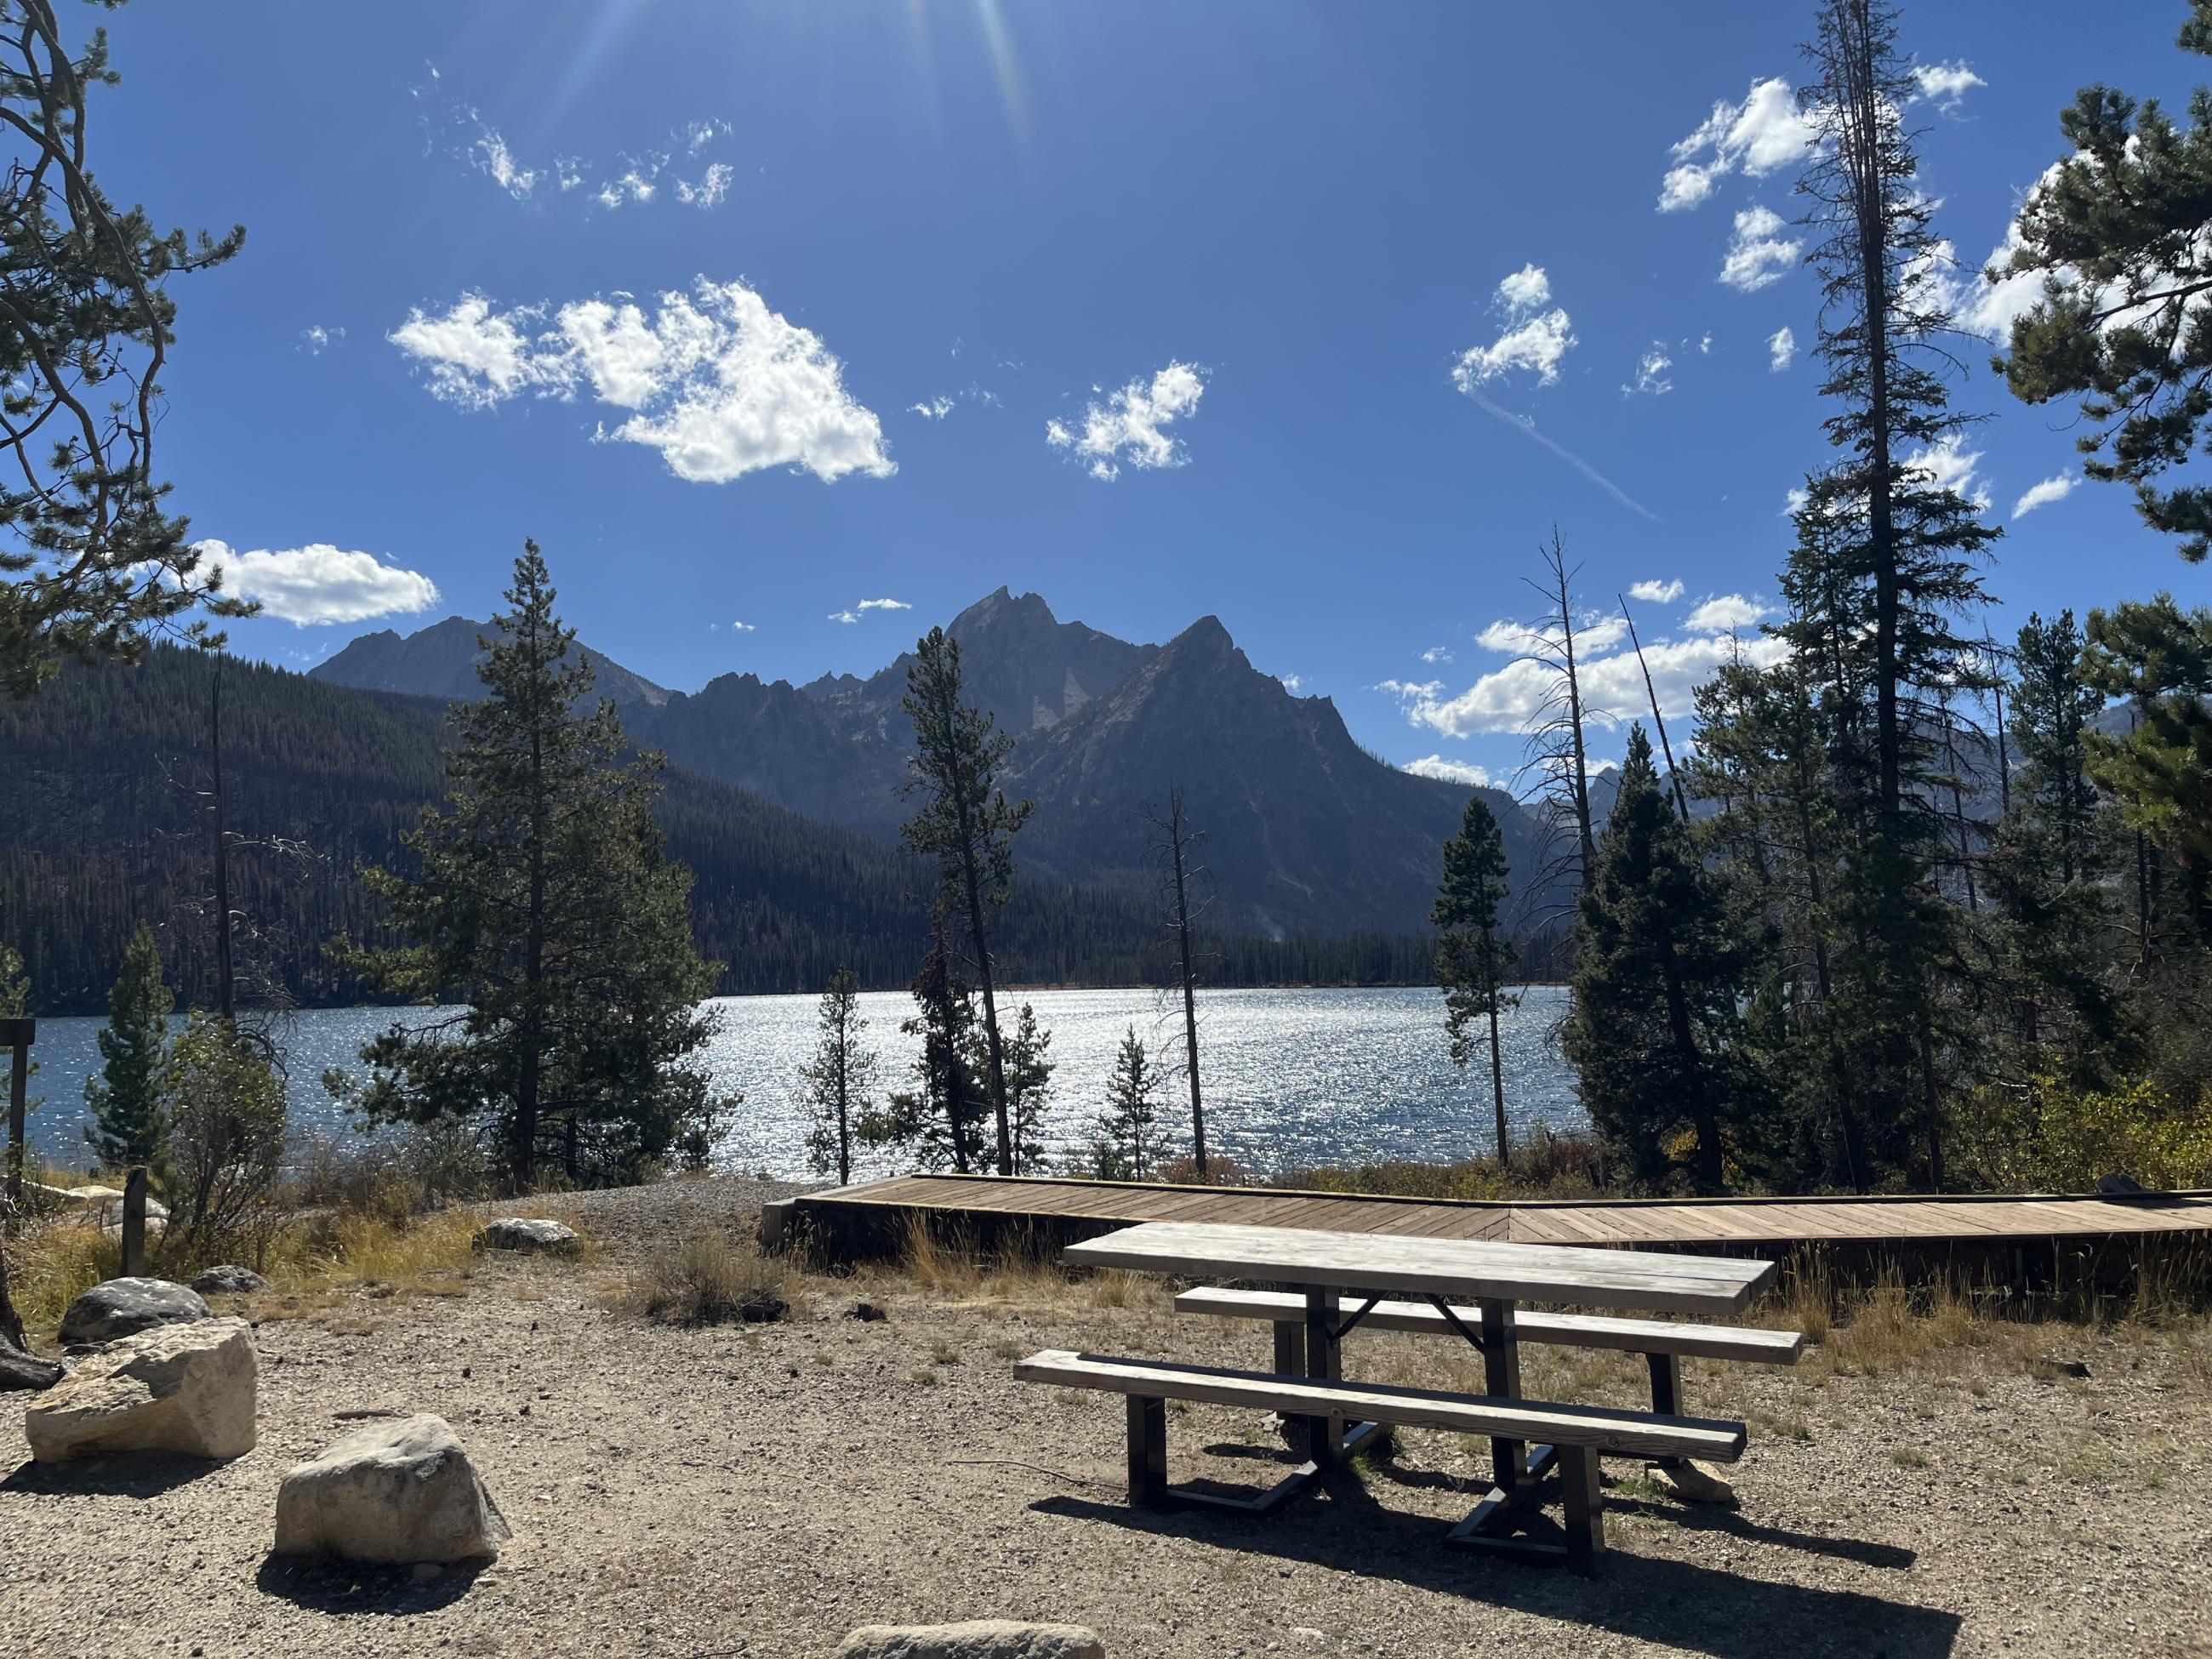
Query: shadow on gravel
[1677, 1604]
[121, 1474]
[363, 1586]
[1891, 1558]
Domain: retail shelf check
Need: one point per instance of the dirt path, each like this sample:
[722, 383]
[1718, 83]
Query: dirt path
[759, 1491]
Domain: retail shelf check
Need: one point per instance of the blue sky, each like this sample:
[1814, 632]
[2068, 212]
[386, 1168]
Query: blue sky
[1238, 308]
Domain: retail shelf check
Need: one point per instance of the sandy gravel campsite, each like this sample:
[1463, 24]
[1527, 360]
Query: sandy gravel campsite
[759, 1489]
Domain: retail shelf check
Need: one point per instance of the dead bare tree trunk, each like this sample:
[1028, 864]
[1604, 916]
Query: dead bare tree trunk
[1673, 776]
[1175, 840]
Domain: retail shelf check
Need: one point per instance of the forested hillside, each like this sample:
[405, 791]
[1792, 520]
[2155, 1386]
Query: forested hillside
[107, 818]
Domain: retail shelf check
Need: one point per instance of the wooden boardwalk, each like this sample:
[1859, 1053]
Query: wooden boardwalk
[1063, 1210]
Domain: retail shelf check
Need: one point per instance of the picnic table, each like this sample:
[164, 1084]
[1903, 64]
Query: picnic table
[1334, 1269]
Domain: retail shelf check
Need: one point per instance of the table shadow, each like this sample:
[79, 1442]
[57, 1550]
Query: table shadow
[1678, 1604]
[361, 1588]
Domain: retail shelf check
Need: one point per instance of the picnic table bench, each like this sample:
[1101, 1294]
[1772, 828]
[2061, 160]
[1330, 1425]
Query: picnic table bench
[1327, 1269]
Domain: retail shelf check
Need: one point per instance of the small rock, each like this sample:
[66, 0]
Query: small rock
[18, 1370]
[401, 1491]
[2119, 1184]
[122, 1307]
[187, 1388]
[426, 1570]
[981, 1638]
[515, 1233]
[1692, 1482]
[229, 1280]
[867, 1312]
[2073, 1368]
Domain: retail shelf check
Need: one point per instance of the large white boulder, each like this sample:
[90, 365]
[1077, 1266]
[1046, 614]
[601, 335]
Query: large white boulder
[187, 1388]
[980, 1638]
[389, 1491]
[122, 1307]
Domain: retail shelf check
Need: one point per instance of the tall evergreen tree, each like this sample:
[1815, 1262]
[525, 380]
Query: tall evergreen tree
[1473, 955]
[1658, 977]
[124, 1095]
[967, 825]
[2121, 232]
[837, 1086]
[91, 563]
[546, 905]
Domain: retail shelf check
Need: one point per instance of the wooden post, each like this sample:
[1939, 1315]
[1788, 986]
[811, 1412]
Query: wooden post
[134, 1222]
[1324, 1435]
[1666, 1393]
[1501, 1368]
[18, 1035]
[1148, 1452]
[1585, 1507]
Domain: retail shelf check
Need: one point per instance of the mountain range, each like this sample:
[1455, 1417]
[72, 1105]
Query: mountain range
[1306, 833]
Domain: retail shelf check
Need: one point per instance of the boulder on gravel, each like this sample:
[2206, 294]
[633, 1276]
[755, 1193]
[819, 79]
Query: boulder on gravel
[18, 1370]
[1692, 1482]
[185, 1389]
[981, 1638]
[122, 1307]
[393, 1492]
[514, 1233]
[229, 1280]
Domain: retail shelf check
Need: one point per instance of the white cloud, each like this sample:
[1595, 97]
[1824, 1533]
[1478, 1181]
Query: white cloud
[1435, 766]
[492, 154]
[711, 188]
[1409, 690]
[317, 339]
[935, 409]
[885, 604]
[568, 172]
[1761, 135]
[1704, 345]
[1655, 592]
[2042, 495]
[1950, 467]
[1723, 613]
[1945, 84]
[1516, 697]
[317, 583]
[1758, 253]
[638, 181]
[1796, 501]
[1526, 290]
[1291, 682]
[1132, 424]
[697, 135]
[1651, 374]
[743, 628]
[1530, 338]
[715, 380]
[1781, 348]
[1436, 653]
[844, 616]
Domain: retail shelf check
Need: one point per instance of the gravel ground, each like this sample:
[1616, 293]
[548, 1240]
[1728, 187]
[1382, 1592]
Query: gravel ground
[759, 1491]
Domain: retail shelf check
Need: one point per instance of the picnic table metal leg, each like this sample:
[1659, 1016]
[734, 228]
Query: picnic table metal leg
[1324, 1435]
[1666, 1394]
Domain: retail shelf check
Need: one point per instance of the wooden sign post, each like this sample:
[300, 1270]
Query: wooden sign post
[17, 1035]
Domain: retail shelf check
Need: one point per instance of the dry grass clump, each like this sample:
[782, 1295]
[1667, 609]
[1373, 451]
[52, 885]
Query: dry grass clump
[711, 1279]
[1557, 1166]
[1024, 1271]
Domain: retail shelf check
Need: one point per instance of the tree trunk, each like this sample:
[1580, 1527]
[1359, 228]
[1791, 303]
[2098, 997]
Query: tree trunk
[1189, 987]
[1497, 1061]
[225, 979]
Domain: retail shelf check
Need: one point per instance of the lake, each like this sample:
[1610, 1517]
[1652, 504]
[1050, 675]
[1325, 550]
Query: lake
[1292, 1077]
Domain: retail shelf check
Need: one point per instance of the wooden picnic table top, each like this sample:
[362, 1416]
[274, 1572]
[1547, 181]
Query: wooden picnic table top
[1576, 1274]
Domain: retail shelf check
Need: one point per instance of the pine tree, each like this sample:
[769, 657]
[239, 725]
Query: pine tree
[838, 1087]
[1030, 1066]
[545, 904]
[967, 825]
[1473, 955]
[942, 1116]
[2120, 233]
[124, 1097]
[1127, 1144]
[1658, 977]
[93, 565]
